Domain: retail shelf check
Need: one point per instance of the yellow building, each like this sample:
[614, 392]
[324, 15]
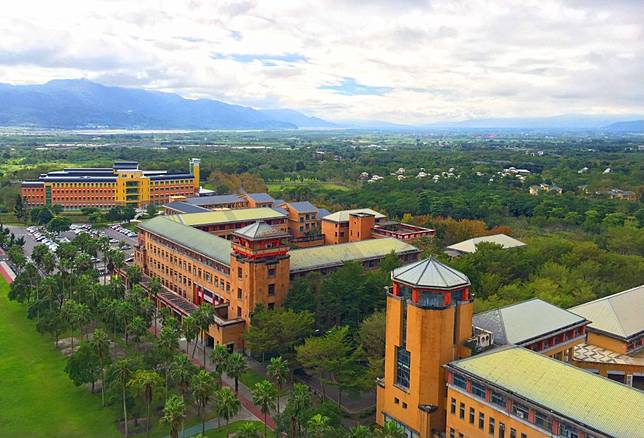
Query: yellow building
[122, 185]
[429, 318]
[513, 392]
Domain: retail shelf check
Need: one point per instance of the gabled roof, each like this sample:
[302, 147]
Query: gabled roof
[303, 207]
[214, 200]
[227, 216]
[260, 197]
[469, 246]
[199, 241]
[524, 321]
[619, 315]
[323, 212]
[430, 273]
[606, 406]
[319, 257]
[260, 230]
[184, 207]
[343, 215]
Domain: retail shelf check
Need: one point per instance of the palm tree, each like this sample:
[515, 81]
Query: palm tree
[248, 430]
[173, 413]
[167, 344]
[155, 287]
[203, 387]
[360, 431]
[190, 330]
[236, 366]
[318, 426]
[390, 430]
[227, 405]
[145, 382]
[100, 343]
[264, 395]
[218, 356]
[205, 316]
[300, 402]
[277, 371]
[181, 372]
[122, 372]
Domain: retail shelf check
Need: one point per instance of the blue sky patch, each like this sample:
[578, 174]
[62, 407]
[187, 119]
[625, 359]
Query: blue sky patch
[349, 87]
[268, 59]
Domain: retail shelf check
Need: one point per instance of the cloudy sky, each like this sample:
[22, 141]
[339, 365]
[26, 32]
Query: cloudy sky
[408, 61]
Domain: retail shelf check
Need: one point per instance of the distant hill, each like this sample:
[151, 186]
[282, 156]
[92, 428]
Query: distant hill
[562, 122]
[297, 118]
[631, 126]
[82, 104]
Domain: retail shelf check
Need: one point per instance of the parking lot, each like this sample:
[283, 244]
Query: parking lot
[38, 235]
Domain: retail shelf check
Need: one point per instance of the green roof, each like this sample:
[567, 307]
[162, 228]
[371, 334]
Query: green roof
[202, 242]
[317, 257]
[227, 216]
[596, 402]
[343, 215]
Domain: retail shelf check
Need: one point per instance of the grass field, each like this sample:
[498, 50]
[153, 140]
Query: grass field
[37, 398]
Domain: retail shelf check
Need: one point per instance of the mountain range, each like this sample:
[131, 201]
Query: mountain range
[83, 104]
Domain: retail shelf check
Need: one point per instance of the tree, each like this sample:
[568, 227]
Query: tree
[371, 336]
[203, 388]
[205, 316]
[41, 215]
[278, 371]
[174, 413]
[318, 426]
[236, 366]
[57, 209]
[167, 344]
[19, 209]
[100, 344]
[151, 210]
[17, 257]
[181, 372]
[264, 395]
[360, 431]
[121, 372]
[145, 382]
[59, 224]
[278, 331]
[138, 328]
[134, 275]
[227, 405]
[248, 430]
[218, 356]
[155, 287]
[190, 331]
[83, 366]
[390, 430]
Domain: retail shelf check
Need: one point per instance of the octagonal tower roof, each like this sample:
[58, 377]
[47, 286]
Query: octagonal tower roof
[431, 274]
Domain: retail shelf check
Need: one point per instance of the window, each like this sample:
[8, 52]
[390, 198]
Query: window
[568, 431]
[239, 293]
[523, 435]
[240, 273]
[271, 272]
[498, 399]
[453, 408]
[490, 428]
[472, 416]
[461, 411]
[520, 410]
[513, 433]
[404, 405]
[271, 290]
[452, 433]
[481, 420]
[501, 430]
[459, 381]
[271, 306]
[402, 367]
[543, 421]
[478, 390]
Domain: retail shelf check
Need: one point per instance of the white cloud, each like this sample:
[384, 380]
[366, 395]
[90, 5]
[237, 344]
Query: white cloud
[423, 60]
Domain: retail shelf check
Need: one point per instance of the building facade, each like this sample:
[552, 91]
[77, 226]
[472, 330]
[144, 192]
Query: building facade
[122, 185]
[252, 266]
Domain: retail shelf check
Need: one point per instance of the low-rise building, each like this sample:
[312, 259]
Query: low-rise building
[469, 246]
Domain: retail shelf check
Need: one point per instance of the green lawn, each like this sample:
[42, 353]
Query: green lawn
[250, 377]
[276, 186]
[37, 398]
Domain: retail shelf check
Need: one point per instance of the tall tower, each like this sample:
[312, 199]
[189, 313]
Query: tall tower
[259, 269]
[429, 317]
[194, 171]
